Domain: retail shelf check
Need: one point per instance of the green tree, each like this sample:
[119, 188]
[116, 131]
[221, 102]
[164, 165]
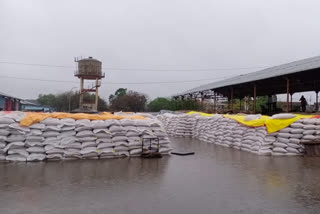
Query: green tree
[61, 101]
[162, 103]
[47, 99]
[120, 92]
[127, 101]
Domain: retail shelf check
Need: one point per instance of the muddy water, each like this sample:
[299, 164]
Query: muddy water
[214, 180]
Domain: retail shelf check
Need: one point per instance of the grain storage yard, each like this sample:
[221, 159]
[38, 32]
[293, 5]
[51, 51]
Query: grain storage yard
[216, 179]
[236, 168]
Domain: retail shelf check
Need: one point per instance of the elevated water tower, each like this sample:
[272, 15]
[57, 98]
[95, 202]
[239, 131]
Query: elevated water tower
[89, 69]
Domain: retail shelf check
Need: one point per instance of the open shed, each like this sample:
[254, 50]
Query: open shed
[297, 76]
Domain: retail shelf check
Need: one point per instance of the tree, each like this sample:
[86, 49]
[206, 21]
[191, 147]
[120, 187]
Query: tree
[119, 93]
[61, 101]
[47, 99]
[127, 101]
[162, 103]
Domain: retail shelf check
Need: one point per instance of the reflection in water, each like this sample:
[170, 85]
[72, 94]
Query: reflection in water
[214, 180]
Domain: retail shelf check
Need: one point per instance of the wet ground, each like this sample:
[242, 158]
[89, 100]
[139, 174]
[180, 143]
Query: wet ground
[214, 180]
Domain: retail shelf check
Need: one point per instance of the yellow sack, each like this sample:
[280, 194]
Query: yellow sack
[35, 117]
[274, 125]
[253, 123]
[201, 113]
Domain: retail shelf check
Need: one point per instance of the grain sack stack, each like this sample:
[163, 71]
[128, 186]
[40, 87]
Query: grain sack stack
[70, 139]
[160, 132]
[199, 127]
[133, 136]
[13, 137]
[287, 140]
[34, 143]
[119, 138]
[195, 127]
[171, 128]
[237, 134]
[224, 131]
[211, 131]
[204, 129]
[184, 126]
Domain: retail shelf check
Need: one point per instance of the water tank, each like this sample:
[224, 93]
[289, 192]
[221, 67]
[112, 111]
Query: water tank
[89, 68]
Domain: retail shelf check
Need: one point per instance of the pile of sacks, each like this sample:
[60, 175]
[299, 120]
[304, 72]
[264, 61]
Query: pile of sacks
[69, 139]
[290, 140]
[229, 133]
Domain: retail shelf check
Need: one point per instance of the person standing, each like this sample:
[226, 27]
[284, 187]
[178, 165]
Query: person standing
[303, 102]
[246, 103]
[274, 103]
[269, 103]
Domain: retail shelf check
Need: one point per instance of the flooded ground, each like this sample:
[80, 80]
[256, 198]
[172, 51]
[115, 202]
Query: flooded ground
[214, 180]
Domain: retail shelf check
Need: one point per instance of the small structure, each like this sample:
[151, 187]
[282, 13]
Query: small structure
[89, 69]
[150, 151]
[27, 105]
[9, 103]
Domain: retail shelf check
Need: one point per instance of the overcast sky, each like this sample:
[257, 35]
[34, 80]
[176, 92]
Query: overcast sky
[150, 35]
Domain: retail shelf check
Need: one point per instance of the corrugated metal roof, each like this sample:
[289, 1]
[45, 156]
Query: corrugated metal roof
[280, 70]
[7, 95]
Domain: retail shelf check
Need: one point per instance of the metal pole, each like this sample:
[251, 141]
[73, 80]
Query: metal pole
[291, 101]
[254, 98]
[81, 93]
[69, 102]
[70, 98]
[215, 102]
[231, 98]
[201, 101]
[288, 91]
[317, 102]
[97, 96]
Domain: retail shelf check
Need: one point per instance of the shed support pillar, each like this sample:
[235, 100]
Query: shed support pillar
[291, 101]
[81, 93]
[97, 95]
[317, 101]
[254, 98]
[231, 99]
[215, 102]
[288, 92]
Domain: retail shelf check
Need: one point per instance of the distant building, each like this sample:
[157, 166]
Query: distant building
[33, 106]
[9, 103]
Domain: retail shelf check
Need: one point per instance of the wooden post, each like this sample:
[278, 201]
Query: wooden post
[240, 103]
[288, 91]
[254, 98]
[291, 101]
[215, 102]
[317, 102]
[231, 98]
[81, 93]
[97, 94]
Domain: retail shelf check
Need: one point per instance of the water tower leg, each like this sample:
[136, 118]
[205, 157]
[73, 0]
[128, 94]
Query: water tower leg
[81, 93]
[97, 95]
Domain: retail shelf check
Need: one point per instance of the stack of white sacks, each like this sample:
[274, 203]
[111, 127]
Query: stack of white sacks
[69, 139]
[288, 140]
[229, 133]
[184, 126]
